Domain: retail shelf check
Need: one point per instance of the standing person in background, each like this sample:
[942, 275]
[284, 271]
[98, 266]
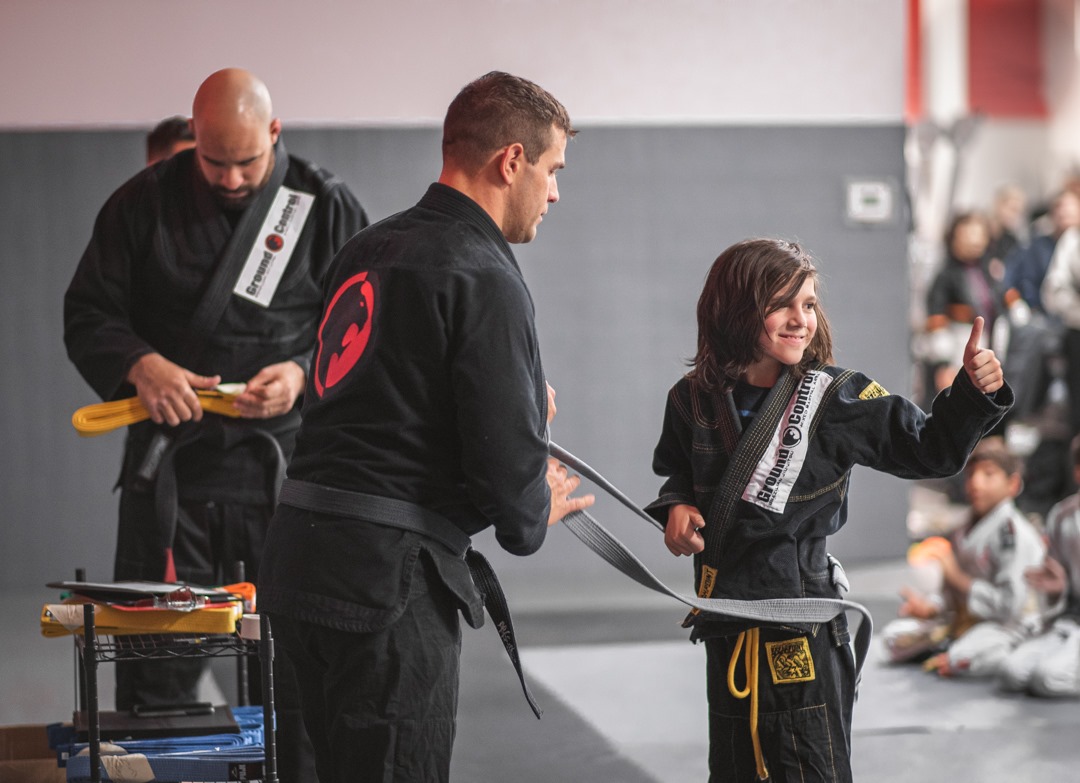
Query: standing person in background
[1006, 225]
[1035, 361]
[1061, 297]
[1025, 266]
[757, 446]
[207, 267]
[962, 290]
[170, 136]
[425, 422]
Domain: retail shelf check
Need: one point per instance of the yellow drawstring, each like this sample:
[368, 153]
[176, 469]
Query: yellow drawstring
[751, 637]
[104, 417]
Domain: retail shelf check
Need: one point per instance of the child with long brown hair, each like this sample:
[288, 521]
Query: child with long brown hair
[758, 442]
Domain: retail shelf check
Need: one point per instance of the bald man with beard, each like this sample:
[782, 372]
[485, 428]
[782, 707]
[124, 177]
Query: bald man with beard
[204, 269]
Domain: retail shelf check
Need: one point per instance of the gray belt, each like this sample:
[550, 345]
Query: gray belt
[783, 611]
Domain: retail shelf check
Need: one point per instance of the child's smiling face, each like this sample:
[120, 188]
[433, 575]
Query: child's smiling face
[786, 335]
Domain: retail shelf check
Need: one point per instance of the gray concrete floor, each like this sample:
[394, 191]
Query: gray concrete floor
[623, 694]
[625, 687]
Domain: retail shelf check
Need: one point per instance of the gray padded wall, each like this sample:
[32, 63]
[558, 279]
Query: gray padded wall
[615, 274]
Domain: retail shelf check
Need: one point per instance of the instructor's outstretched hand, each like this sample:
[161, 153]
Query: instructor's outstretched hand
[562, 486]
[981, 365]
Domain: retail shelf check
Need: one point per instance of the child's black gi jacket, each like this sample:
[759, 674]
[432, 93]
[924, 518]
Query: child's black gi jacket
[772, 494]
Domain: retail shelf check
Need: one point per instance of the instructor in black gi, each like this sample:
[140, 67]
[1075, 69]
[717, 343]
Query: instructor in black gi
[424, 423]
[207, 268]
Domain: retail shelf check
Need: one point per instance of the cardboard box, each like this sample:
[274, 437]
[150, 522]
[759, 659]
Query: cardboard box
[25, 756]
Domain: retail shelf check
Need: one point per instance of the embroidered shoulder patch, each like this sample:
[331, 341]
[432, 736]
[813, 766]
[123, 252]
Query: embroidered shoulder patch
[790, 660]
[875, 389]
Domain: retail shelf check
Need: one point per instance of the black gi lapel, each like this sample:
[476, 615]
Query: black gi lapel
[231, 260]
[744, 453]
[747, 454]
[745, 458]
[718, 413]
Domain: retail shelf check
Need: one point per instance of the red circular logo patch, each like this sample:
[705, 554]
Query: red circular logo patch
[345, 331]
[274, 243]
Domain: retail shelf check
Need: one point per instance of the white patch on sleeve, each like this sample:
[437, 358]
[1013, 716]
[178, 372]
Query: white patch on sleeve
[782, 462]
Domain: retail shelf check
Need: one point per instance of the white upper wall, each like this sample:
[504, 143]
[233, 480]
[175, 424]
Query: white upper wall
[359, 62]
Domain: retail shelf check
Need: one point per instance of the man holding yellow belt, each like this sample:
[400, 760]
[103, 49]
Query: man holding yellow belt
[207, 267]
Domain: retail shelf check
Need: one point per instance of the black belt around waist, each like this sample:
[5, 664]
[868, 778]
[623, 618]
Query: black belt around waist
[375, 508]
[404, 515]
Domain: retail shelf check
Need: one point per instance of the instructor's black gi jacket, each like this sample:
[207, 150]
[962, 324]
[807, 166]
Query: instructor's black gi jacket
[427, 387]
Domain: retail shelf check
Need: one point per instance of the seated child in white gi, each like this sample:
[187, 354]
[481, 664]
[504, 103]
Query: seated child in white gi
[985, 607]
[1049, 664]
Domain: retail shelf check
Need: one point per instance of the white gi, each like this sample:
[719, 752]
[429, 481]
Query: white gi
[995, 552]
[1059, 292]
[1049, 664]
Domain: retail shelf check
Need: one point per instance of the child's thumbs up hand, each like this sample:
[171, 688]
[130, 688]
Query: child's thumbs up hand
[981, 365]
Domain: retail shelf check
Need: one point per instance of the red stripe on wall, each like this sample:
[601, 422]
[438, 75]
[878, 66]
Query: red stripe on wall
[913, 91]
[1005, 67]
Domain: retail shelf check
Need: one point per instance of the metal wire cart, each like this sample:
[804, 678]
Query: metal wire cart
[234, 759]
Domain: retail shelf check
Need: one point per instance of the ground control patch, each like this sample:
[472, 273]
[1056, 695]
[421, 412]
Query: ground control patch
[790, 661]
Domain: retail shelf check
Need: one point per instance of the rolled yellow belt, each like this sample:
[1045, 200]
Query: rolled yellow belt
[102, 417]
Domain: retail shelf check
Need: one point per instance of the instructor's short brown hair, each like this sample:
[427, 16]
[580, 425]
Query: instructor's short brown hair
[498, 110]
[166, 135]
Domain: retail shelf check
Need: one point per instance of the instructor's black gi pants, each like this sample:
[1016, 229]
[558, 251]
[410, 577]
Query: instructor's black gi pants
[381, 706]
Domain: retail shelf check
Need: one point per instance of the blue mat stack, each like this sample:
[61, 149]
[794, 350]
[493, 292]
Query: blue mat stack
[207, 758]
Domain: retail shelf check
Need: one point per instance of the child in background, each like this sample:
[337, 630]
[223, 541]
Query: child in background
[757, 445]
[1049, 664]
[985, 607]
